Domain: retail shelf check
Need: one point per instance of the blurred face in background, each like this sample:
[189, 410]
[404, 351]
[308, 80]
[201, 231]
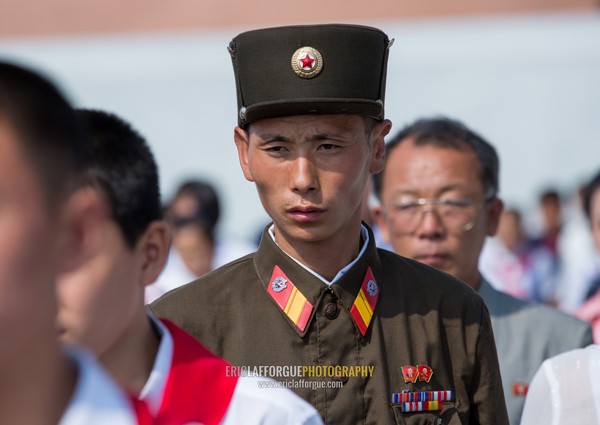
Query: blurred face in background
[510, 231]
[184, 205]
[595, 217]
[101, 299]
[196, 247]
[98, 299]
[551, 211]
[434, 208]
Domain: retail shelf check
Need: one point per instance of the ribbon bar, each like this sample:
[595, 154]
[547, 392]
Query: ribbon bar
[421, 396]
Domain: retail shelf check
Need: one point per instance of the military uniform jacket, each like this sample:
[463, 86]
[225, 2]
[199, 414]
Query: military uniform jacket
[426, 333]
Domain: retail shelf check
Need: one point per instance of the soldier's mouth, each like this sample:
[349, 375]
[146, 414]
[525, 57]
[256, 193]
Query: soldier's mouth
[305, 214]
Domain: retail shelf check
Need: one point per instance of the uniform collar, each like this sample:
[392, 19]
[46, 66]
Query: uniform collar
[280, 274]
[364, 234]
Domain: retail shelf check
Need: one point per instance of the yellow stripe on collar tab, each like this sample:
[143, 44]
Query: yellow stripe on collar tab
[289, 298]
[365, 302]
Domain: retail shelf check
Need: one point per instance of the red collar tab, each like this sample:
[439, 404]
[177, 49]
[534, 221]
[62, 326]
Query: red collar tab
[289, 298]
[365, 302]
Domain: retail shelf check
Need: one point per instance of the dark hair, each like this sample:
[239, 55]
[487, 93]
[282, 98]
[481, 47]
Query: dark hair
[207, 200]
[447, 133]
[45, 125]
[197, 223]
[123, 167]
[588, 192]
[549, 196]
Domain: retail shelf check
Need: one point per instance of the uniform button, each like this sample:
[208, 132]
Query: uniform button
[331, 311]
[343, 379]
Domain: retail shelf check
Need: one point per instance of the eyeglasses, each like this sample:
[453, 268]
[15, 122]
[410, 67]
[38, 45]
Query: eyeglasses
[457, 214]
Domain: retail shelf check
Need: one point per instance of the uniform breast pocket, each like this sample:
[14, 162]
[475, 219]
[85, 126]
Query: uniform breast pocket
[448, 415]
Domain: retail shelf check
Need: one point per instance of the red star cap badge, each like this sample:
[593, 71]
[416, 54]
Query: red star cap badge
[307, 62]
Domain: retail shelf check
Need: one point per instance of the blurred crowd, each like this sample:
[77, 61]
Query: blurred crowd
[547, 254]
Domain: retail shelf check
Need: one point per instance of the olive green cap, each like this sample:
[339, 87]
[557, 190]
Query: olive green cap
[310, 69]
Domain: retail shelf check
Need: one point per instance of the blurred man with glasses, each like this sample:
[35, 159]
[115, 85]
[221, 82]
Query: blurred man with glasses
[439, 202]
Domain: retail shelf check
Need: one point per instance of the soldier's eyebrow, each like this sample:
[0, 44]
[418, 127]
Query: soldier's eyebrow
[328, 136]
[322, 136]
[273, 138]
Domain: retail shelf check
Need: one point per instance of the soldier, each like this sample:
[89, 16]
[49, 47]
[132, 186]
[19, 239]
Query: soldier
[391, 340]
[439, 203]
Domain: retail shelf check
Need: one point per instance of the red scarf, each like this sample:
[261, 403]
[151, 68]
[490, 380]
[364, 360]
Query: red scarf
[197, 388]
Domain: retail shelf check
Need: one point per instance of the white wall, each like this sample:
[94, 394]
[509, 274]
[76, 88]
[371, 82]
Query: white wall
[530, 85]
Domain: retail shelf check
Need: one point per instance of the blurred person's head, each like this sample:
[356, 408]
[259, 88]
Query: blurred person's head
[195, 199]
[551, 210]
[591, 206]
[101, 301]
[510, 230]
[438, 194]
[41, 149]
[194, 240]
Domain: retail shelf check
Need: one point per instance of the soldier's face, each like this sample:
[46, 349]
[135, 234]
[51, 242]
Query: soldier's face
[595, 217]
[449, 234]
[29, 246]
[311, 172]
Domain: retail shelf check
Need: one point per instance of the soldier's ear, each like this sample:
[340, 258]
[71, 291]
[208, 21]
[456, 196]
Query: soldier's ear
[241, 138]
[378, 133]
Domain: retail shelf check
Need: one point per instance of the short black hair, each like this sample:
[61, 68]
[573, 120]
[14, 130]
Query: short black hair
[207, 200]
[121, 164]
[588, 192]
[46, 127]
[448, 133]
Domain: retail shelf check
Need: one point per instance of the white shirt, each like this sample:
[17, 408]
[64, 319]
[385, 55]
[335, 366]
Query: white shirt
[154, 388]
[97, 399]
[250, 403]
[565, 390]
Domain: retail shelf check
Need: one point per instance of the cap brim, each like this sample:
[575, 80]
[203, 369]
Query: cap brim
[320, 106]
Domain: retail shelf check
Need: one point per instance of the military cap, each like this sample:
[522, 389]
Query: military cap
[310, 69]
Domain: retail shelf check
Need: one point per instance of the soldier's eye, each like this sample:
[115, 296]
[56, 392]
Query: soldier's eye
[328, 146]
